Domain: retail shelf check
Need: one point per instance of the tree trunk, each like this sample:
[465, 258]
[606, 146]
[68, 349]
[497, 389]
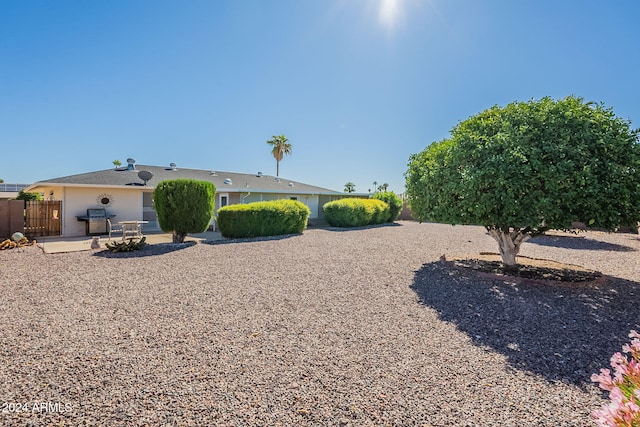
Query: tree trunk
[509, 241]
[178, 237]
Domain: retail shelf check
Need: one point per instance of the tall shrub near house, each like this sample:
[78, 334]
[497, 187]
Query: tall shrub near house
[184, 206]
[394, 202]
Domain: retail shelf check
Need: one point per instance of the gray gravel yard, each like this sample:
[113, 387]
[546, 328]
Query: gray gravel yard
[328, 328]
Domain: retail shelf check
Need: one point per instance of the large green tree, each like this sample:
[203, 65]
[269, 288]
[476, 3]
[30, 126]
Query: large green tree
[528, 167]
[280, 146]
[184, 206]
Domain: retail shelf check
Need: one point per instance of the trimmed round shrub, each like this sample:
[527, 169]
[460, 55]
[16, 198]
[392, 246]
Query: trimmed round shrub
[257, 219]
[353, 212]
[394, 202]
[184, 206]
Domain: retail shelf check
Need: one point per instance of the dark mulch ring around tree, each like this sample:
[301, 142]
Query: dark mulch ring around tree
[531, 270]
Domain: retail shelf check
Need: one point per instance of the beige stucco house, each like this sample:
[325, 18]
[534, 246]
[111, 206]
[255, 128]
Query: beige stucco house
[124, 193]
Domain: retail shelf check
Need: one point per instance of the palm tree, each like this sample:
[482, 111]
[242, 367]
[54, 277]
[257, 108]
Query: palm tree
[384, 186]
[349, 187]
[375, 185]
[281, 146]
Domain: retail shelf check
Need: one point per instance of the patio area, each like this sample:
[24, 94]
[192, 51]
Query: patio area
[61, 244]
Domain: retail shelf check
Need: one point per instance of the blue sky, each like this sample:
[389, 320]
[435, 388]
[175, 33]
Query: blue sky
[356, 85]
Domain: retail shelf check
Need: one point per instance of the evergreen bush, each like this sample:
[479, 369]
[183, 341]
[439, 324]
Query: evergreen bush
[257, 219]
[394, 202]
[184, 206]
[354, 212]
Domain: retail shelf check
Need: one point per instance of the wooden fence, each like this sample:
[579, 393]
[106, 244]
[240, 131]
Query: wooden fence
[33, 218]
[42, 218]
[11, 218]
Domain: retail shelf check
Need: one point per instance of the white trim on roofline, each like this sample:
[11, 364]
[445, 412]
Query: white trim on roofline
[151, 187]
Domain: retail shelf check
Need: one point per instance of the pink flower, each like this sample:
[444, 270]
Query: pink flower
[606, 383]
[616, 396]
[623, 409]
[618, 359]
[634, 348]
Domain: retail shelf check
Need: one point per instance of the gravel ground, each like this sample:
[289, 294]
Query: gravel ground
[329, 328]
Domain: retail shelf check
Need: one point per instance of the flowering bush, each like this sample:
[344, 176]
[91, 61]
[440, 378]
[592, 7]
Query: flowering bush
[624, 388]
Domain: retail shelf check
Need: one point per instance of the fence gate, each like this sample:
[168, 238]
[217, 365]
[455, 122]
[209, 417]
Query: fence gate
[42, 218]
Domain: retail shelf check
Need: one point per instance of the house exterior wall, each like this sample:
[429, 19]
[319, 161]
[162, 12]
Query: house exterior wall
[126, 204]
[8, 195]
[234, 198]
[148, 211]
[135, 203]
[10, 191]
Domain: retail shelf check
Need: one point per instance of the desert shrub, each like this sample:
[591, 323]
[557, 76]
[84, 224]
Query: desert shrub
[184, 206]
[128, 246]
[394, 202]
[353, 212]
[256, 219]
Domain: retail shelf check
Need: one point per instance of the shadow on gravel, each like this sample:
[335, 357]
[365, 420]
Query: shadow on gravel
[364, 227]
[226, 241]
[579, 243]
[562, 333]
[148, 250]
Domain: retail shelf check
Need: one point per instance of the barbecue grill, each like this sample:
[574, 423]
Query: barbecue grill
[96, 221]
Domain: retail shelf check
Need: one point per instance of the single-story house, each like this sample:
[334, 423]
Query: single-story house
[126, 192]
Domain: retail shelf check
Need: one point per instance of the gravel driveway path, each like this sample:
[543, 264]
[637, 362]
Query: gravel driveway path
[329, 328]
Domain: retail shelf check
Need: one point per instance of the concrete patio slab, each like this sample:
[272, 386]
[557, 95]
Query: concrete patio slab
[61, 244]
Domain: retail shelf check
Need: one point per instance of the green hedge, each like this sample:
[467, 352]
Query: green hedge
[263, 219]
[394, 202]
[353, 212]
[184, 206]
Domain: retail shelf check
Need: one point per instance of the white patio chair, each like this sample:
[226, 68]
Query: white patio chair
[112, 229]
[131, 230]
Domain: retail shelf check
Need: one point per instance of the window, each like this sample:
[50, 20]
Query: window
[223, 200]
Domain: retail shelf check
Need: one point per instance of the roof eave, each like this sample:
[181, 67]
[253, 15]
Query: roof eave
[151, 187]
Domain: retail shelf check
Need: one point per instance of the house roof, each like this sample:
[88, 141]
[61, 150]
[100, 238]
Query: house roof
[224, 181]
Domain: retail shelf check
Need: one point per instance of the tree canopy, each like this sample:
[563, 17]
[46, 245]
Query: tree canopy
[349, 187]
[528, 167]
[281, 146]
[28, 197]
